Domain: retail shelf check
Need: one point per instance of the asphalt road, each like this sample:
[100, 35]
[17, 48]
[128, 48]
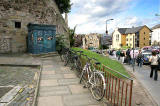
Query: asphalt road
[142, 74]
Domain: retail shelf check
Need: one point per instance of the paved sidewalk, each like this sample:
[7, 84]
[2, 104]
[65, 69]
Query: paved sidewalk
[142, 74]
[59, 86]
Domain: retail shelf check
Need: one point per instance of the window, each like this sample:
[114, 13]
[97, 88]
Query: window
[144, 38]
[130, 38]
[17, 24]
[144, 33]
[127, 44]
[127, 40]
[144, 43]
[117, 37]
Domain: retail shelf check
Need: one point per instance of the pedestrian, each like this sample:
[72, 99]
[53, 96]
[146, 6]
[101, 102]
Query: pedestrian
[139, 59]
[154, 65]
[122, 55]
[118, 54]
[114, 53]
[128, 56]
[133, 55]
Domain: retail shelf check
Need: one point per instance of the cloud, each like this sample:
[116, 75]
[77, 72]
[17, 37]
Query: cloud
[90, 15]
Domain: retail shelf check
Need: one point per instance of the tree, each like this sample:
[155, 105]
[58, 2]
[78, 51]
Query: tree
[71, 36]
[64, 6]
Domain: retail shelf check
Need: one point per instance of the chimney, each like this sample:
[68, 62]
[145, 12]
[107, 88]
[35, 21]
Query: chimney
[66, 19]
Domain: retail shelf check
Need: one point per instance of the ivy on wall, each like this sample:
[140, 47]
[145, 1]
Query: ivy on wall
[64, 6]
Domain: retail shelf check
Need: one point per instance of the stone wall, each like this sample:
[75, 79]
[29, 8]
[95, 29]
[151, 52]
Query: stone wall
[27, 11]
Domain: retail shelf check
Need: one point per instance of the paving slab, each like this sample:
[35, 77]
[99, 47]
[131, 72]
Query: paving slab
[78, 89]
[79, 99]
[59, 86]
[68, 81]
[64, 72]
[70, 76]
[53, 91]
[50, 101]
[48, 72]
[10, 95]
[48, 83]
[51, 76]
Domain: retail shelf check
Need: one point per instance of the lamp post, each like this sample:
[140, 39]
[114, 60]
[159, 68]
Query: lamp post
[106, 25]
[133, 53]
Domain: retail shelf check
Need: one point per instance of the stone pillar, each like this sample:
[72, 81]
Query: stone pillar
[66, 18]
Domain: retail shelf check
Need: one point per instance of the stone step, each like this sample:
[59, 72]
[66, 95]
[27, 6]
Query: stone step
[54, 91]
[68, 81]
[79, 100]
[44, 55]
[51, 76]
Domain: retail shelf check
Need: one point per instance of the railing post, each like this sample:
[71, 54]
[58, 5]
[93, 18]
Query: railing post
[130, 98]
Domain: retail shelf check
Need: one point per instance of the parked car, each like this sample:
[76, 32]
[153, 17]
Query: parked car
[146, 48]
[156, 49]
[146, 56]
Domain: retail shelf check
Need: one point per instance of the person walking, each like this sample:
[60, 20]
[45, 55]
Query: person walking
[122, 55]
[118, 54]
[154, 65]
[133, 54]
[128, 56]
[139, 59]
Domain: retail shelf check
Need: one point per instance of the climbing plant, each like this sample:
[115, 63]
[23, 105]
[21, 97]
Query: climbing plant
[64, 6]
[60, 42]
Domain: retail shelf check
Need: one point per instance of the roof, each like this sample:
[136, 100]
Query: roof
[133, 29]
[156, 26]
[122, 30]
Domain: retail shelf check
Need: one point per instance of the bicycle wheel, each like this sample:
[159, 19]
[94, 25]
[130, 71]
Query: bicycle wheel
[84, 76]
[77, 64]
[65, 59]
[62, 57]
[98, 86]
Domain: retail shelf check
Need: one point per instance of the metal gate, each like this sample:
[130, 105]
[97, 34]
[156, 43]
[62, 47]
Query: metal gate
[41, 38]
[5, 44]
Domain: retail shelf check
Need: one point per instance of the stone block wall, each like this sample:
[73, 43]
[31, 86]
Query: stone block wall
[25, 12]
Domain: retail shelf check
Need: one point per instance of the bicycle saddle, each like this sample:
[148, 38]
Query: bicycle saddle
[75, 56]
[97, 63]
[80, 51]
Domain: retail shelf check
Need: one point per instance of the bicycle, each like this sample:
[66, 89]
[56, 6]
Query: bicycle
[77, 61]
[94, 80]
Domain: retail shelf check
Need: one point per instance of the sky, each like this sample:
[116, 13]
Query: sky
[89, 16]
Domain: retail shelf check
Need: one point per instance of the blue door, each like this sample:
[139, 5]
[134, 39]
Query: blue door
[42, 39]
[38, 40]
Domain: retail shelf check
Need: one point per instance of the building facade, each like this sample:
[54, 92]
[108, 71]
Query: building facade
[15, 15]
[138, 36]
[106, 40]
[119, 38]
[131, 37]
[155, 36]
[78, 40]
[91, 41]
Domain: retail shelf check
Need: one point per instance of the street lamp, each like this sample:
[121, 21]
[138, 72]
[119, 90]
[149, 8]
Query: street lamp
[106, 25]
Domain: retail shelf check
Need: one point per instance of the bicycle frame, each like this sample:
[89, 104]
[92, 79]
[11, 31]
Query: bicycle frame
[91, 74]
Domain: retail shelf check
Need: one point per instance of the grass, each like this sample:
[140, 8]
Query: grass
[113, 64]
